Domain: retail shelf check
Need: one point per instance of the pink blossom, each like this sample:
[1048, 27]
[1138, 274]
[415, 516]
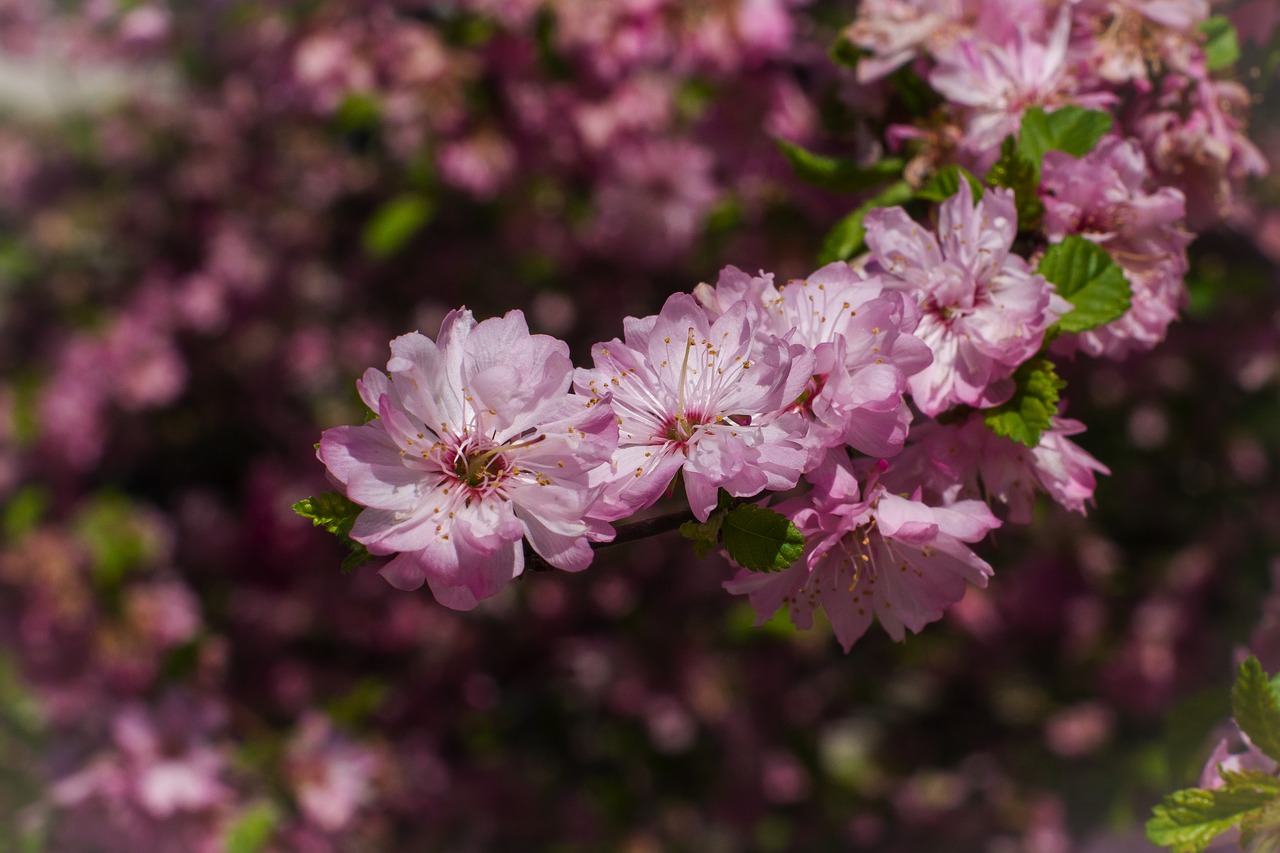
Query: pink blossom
[1102, 197]
[984, 311]
[477, 446]
[860, 334]
[332, 776]
[701, 397]
[896, 31]
[1134, 36]
[1193, 133]
[884, 555]
[995, 82]
[968, 460]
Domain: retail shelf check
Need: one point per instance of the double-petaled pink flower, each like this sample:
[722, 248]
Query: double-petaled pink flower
[702, 397]
[478, 445]
[983, 311]
[869, 555]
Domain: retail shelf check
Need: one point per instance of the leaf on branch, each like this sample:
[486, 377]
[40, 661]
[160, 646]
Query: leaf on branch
[1027, 414]
[946, 183]
[705, 534]
[1087, 277]
[1016, 172]
[1190, 819]
[1260, 830]
[336, 513]
[1072, 129]
[761, 539]
[1221, 46]
[1256, 708]
[849, 236]
[252, 829]
[395, 223]
[836, 173]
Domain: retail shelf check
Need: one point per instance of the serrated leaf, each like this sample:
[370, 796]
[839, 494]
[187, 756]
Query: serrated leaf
[395, 223]
[1189, 820]
[946, 183]
[253, 829]
[1260, 830]
[848, 237]
[1221, 46]
[1016, 172]
[836, 173]
[336, 514]
[1072, 129]
[706, 534]
[1029, 412]
[1087, 277]
[1256, 709]
[761, 539]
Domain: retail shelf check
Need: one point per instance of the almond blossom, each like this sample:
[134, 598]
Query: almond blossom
[1101, 196]
[477, 446]
[995, 82]
[967, 460]
[875, 554]
[984, 311]
[700, 397]
[860, 334]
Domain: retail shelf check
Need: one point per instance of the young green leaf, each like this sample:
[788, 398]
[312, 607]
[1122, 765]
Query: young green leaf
[946, 183]
[1221, 46]
[1027, 414]
[760, 539]
[336, 514]
[1190, 819]
[1260, 830]
[705, 534]
[849, 236]
[1256, 709]
[1087, 277]
[251, 831]
[836, 173]
[395, 223]
[1072, 129]
[1016, 172]
[846, 53]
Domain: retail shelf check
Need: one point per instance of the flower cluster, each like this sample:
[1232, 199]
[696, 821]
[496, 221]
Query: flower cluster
[896, 395]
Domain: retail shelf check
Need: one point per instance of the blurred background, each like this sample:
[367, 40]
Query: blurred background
[213, 217]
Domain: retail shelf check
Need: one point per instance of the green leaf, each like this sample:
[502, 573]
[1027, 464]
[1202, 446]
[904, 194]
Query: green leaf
[1016, 172]
[914, 91]
[1221, 47]
[849, 237]
[1089, 279]
[1190, 819]
[846, 53]
[253, 829]
[1260, 830]
[1257, 711]
[836, 173]
[394, 223]
[761, 539]
[1027, 414]
[23, 512]
[1072, 129]
[336, 513]
[946, 182]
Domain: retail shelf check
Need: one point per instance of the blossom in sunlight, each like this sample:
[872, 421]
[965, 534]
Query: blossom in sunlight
[701, 397]
[996, 81]
[1101, 196]
[478, 445]
[968, 460]
[872, 554]
[860, 334]
[983, 311]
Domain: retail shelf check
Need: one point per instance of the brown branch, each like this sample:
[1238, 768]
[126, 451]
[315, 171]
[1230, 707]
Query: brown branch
[642, 529]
